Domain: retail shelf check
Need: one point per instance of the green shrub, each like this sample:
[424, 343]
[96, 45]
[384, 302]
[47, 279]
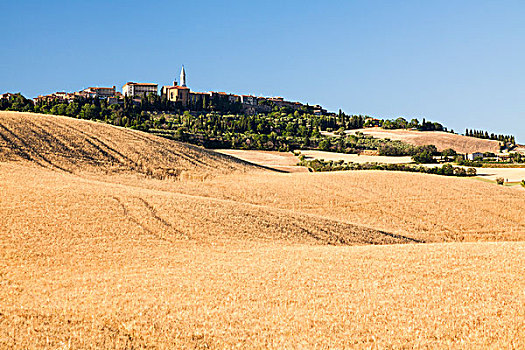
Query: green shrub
[423, 156]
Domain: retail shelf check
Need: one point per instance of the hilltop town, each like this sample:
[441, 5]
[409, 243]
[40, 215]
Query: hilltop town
[181, 96]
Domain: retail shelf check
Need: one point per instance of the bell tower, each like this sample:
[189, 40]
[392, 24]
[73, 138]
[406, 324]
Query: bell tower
[182, 77]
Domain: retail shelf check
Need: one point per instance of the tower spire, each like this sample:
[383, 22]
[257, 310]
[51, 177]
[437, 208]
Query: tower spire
[182, 77]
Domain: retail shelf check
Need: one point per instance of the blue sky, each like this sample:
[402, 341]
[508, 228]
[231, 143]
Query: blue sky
[458, 62]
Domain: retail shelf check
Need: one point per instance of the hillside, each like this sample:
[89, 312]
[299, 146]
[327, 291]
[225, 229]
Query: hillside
[42, 153]
[76, 146]
[416, 206]
[100, 249]
[44, 203]
[442, 140]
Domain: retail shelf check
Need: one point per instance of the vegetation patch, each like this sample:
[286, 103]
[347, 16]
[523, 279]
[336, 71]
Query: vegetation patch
[225, 126]
[318, 165]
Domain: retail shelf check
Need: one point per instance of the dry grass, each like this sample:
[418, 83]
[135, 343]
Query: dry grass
[38, 201]
[93, 258]
[431, 208]
[511, 174]
[442, 140]
[142, 292]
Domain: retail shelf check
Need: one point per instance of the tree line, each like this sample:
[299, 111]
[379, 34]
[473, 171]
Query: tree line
[330, 165]
[480, 134]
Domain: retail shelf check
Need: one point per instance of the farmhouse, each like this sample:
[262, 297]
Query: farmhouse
[372, 122]
[503, 157]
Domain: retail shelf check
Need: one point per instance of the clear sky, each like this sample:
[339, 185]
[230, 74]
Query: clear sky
[461, 63]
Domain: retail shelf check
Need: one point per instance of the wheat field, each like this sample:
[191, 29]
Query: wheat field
[429, 208]
[97, 252]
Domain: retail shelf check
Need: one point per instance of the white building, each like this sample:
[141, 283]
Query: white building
[139, 89]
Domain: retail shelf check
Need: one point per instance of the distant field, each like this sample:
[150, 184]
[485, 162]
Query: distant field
[112, 238]
[355, 158]
[442, 140]
[511, 174]
[284, 161]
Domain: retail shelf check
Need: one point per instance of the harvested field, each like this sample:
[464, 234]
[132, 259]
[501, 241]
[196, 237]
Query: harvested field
[442, 140]
[98, 253]
[37, 201]
[510, 174]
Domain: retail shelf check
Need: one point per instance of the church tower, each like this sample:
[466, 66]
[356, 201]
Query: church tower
[183, 77]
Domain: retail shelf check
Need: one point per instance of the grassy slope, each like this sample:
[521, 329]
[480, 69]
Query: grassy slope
[240, 260]
[77, 146]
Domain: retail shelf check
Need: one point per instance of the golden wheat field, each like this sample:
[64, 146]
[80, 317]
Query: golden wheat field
[112, 238]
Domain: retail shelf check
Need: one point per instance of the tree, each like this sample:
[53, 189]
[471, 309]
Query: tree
[401, 123]
[88, 111]
[73, 109]
[325, 145]
[449, 152]
[423, 156]
[414, 123]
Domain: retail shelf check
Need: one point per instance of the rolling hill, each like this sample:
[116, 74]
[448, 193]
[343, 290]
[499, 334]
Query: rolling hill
[43, 152]
[75, 146]
[217, 191]
[113, 238]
